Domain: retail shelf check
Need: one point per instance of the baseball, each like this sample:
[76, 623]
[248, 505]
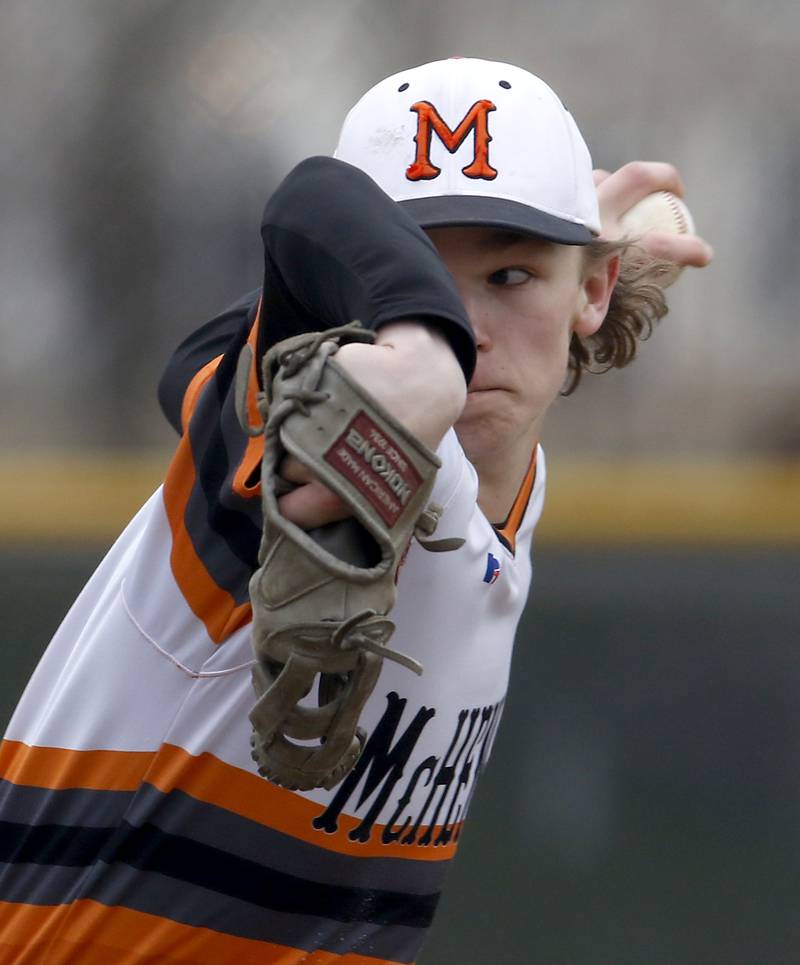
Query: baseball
[660, 211]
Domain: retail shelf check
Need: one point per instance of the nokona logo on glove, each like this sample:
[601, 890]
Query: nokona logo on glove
[376, 465]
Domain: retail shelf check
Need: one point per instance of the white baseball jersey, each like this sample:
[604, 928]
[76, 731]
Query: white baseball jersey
[134, 825]
[133, 738]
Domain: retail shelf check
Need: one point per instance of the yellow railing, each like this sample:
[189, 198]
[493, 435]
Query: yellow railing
[84, 497]
[678, 502]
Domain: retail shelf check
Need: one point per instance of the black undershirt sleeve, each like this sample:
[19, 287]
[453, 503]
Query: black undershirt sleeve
[336, 248]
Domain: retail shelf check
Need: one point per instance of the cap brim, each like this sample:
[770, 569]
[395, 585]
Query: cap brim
[464, 211]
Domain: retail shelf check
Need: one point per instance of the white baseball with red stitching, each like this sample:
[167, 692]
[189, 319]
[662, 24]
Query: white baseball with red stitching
[660, 211]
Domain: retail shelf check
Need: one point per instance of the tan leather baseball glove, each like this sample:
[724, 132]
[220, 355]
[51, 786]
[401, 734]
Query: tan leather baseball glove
[321, 599]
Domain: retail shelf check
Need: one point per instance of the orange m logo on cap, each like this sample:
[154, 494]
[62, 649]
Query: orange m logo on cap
[429, 122]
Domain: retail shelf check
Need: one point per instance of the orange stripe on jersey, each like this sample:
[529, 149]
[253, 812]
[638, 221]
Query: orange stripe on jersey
[96, 934]
[208, 601]
[211, 780]
[201, 377]
[255, 444]
[58, 768]
[515, 517]
[195, 388]
[207, 779]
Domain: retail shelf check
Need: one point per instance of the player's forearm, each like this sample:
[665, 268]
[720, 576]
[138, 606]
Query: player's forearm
[412, 371]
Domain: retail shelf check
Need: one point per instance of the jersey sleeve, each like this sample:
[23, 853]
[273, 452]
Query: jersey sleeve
[337, 248]
[207, 343]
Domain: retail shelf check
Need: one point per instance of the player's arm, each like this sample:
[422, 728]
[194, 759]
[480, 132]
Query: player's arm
[413, 372]
[337, 248]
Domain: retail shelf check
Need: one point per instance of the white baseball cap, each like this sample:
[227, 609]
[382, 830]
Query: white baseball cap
[473, 142]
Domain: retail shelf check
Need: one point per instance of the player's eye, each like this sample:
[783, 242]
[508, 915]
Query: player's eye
[509, 276]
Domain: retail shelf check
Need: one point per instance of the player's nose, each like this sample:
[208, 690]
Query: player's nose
[480, 321]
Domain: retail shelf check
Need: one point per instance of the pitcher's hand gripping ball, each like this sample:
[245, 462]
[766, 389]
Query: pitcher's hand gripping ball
[321, 598]
[660, 211]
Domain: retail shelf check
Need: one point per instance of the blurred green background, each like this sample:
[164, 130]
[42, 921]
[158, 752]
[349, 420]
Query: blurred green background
[643, 802]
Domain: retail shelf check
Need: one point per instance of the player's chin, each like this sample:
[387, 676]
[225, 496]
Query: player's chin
[488, 412]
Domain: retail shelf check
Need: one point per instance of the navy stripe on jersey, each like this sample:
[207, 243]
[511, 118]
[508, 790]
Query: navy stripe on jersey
[152, 893]
[51, 844]
[35, 884]
[176, 812]
[149, 871]
[174, 851]
[218, 446]
[88, 808]
[208, 342]
[179, 816]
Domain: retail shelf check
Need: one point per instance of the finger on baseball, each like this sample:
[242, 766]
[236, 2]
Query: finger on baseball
[313, 504]
[688, 250]
[634, 181]
[599, 175]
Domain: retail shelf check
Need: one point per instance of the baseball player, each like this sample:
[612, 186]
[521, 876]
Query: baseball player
[459, 222]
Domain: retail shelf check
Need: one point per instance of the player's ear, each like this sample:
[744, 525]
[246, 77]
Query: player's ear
[599, 278]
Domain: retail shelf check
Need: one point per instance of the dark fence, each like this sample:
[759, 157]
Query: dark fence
[643, 801]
